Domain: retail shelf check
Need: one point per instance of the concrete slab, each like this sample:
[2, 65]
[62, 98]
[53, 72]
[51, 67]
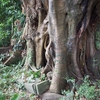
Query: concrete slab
[36, 87]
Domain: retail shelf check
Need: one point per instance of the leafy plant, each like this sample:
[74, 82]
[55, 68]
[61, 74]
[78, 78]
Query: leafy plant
[10, 10]
[43, 77]
[2, 96]
[67, 94]
[15, 96]
[88, 90]
[97, 39]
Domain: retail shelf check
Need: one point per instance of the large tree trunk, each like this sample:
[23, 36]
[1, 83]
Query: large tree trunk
[58, 28]
[62, 35]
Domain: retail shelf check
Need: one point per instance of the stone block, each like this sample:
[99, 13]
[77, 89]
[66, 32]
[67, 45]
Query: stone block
[42, 87]
[36, 87]
[21, 81]
[29, 87]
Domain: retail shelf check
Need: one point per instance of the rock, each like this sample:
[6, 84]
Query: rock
[29, 87]
[70, 96]
[83, 98]
[42, 87]
[21, 81]
[53, 96]
[36, 87]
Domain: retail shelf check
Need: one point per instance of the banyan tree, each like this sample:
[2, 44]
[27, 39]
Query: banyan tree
[60, 37]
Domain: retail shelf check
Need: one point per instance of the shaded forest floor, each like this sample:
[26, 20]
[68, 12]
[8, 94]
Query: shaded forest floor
[10, 89]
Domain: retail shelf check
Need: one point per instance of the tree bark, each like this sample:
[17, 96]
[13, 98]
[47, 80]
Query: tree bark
[61, 38]
[58, 24]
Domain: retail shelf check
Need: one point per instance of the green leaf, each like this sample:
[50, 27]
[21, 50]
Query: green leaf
[2, 96]
[15, 97]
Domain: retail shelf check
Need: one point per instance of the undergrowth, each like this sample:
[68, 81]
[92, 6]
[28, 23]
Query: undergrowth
[87, 91]
[9, 87]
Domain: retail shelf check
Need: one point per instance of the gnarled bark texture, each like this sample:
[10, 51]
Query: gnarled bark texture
[60, 38]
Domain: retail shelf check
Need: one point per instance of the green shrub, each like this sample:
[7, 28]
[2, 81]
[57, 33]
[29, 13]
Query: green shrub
[97, 39]
[10, 10]
[88, 90]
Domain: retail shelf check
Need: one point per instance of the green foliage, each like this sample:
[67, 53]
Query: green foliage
[30, 72]
[7, 86]
[43, 77]
[10, 89]
[69, 94]
[4, 36]
[20, 86]
[2, 96]
[88, 90]
[10, 10]
[37, 74]
[97, 38]
[6, 76]
[3, 56]
[72, 81]
[15, 96]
